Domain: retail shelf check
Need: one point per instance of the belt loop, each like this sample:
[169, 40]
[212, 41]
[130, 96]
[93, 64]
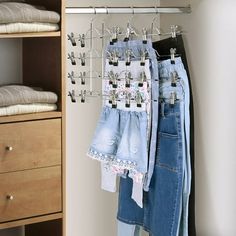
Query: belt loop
[163, 109]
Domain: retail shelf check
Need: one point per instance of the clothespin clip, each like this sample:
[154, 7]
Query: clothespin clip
[172, 55]
[71, 56]
[129, 32]
[128, 77]
[83, 96]
[71, 37]
[115, 80]
[82, 76]
[138, 99]
[110, 58]
[172, 98]
[111, 96]
[82, 40]
[71, 76]
[143, 78]
[110, 76]
[143, 55]
[115, 58]
[127, 99]
[115, 32]
[112, 99]
[174, 78]
[174, 30]
[82, 57]
[72, 96]
[128, 55]
[144, 30]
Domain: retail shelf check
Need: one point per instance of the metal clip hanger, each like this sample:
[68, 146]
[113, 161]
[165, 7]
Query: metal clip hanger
[138, 99]
[172, 55]
[127, 99]
[128, 78]
[71, 37]
[174, 78]
[142, 79]
[71, 76]
[82, 76]
[82, 40]
[143, 57]
[72, 96]
[71, 57]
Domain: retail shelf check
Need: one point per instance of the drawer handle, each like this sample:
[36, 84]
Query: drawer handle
[9, 148]
[10, 197]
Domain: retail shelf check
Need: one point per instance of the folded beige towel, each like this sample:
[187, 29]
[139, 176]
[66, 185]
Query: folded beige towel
[24, 109]
[27, 27]
[15, 12]
[18, 94]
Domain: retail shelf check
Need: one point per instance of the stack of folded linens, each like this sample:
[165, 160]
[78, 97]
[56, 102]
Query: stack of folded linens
[19, 17]
[19, 99]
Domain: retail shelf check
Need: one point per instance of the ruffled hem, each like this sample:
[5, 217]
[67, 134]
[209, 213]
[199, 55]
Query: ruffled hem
[125, 164]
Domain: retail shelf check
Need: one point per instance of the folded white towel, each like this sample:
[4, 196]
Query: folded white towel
[24, 109]
[14, 12]
[19, 94]
[27, 27]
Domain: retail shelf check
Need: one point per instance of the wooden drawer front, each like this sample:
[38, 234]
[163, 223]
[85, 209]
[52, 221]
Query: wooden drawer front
[30, 193]
[34, 144]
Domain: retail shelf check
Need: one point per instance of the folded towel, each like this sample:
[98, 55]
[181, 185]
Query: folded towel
[19, 94]
[15, 12]
[27, 27]
[12, 1]
[24, 109]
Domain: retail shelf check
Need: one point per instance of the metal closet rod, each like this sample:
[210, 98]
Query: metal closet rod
[128, 10]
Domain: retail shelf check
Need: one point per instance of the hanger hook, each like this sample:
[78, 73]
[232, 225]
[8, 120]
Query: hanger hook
[107, 10]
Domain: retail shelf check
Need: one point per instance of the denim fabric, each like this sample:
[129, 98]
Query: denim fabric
[136, 46]
[128, 230]
[162, 204]
[163, 47]
[165, 70]
[120, 138]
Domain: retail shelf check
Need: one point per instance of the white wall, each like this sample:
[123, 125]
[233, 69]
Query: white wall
[210, 41]
[90, 211]
[10, 61]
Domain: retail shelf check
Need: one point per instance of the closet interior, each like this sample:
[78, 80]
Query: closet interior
[32, 146]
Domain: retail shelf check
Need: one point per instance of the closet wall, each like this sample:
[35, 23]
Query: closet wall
[210, 39]
[10, 61]
[90, 210]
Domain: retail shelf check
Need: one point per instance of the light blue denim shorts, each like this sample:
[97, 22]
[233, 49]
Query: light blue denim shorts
[121, 139]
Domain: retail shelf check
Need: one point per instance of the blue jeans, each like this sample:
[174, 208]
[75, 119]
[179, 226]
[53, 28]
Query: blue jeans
[165, 70]
[162, 204]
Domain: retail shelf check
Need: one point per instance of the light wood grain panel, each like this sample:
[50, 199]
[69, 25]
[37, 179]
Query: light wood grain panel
[35, 192]
[31, 220]
[30, 35]
[30, 117]
[34, 144]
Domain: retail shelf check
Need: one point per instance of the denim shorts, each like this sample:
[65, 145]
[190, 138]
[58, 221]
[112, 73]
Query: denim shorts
[121, 139]
[160, 214]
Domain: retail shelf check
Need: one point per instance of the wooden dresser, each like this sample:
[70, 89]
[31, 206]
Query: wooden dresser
[32, 146]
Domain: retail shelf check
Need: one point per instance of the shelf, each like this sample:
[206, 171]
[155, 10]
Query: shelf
[31, 35]
[31, 220]
[31, 116]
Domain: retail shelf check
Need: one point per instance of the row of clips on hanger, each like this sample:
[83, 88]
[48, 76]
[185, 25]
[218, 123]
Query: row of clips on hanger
[115, 56]
[113, 98]
[112, 77]
[115, 33]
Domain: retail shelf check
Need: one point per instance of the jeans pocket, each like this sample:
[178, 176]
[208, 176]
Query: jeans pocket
[168, 151]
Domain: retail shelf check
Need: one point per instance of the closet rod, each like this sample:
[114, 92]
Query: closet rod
[128, 10]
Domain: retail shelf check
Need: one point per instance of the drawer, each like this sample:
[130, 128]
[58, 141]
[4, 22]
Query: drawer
[30, 193]
[28, 145]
